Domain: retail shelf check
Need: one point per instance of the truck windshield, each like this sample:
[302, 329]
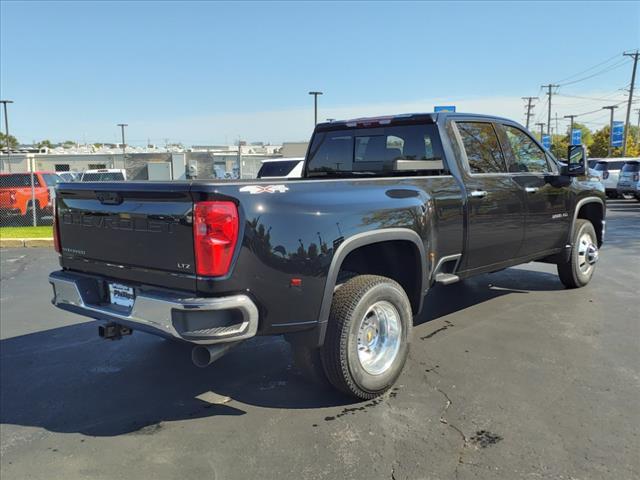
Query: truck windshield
[374, 151]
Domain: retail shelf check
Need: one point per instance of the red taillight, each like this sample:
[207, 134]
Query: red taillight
[215, 234]
[605, 175]
[56, 232]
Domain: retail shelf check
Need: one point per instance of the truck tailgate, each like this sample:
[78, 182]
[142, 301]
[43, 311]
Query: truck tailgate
[129, 230]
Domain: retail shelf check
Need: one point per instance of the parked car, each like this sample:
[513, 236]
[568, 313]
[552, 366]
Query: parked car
[608, 170]
[337, 261]
[104, 175]
[629, 179]
[17, 198]
[281, 168]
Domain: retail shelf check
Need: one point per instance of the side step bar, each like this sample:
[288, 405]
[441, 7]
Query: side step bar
[447, 278]
[446, 268]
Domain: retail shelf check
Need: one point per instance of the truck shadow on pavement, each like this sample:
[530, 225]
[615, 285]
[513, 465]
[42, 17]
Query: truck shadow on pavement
[441, 301]
[68, 380]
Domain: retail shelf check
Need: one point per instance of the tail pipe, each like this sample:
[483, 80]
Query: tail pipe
[204, 355]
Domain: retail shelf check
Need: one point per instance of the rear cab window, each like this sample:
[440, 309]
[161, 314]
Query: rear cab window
[102, 177]
[413, 149]
[18, 180]
[277, 169]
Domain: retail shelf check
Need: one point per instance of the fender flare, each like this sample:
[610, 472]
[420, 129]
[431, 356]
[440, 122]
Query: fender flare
[579, 205]
[360, 240]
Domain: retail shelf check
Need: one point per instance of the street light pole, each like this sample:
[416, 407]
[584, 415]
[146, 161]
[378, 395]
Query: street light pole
[6, 128]
[122, 125]
[611, 108]
[315, 106]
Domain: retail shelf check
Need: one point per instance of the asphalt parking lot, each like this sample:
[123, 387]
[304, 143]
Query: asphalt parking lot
[510, 376]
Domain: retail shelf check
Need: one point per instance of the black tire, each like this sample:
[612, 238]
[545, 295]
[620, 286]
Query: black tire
[570, 273]
[340, 358]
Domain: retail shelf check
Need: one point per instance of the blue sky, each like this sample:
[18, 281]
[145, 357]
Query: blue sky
[210, 72]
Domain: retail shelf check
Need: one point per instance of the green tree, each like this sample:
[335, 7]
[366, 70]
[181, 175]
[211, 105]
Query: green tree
[13, 141]
[600, 145]
[559, 146]
[44, 143]
[69, 143]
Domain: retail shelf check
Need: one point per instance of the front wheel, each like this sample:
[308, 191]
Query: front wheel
[368, 336]
[578, 270]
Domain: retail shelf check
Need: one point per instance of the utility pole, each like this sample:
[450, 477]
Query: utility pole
[6, 129]
[570, 117]
[529, 107]
[549, 88]
[635, 56]
[315, 106]
[556, 119]
[541, 125]
[122, 125]
[611, 108]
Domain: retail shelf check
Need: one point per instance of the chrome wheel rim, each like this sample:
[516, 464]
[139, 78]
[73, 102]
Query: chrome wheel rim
[587, 253]
[379, 337]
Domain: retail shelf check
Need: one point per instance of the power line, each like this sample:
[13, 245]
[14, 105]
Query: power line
[598, 110]
[617, 55]
[609, 69]
[605, 98]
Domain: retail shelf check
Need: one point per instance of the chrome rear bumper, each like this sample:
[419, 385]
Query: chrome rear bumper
[203, 321]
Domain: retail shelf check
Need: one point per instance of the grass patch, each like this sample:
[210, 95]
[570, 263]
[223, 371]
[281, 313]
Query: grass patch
[26, 232]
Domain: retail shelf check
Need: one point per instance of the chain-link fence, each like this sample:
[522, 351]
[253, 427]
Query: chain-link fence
[27, 198]
[28, 181]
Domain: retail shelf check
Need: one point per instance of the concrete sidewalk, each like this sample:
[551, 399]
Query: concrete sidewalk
[25, 242]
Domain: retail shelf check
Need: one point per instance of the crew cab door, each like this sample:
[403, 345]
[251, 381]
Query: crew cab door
[546, 193]
[495, 203]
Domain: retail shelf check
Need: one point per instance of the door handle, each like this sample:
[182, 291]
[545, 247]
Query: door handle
[531, 189]
[478, 193]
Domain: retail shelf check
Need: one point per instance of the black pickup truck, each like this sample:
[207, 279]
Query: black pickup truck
[339, 260]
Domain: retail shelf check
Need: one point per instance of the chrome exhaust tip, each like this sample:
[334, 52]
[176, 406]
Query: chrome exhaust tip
[204, 355]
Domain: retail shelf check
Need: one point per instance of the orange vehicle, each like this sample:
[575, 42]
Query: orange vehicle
[16, 196]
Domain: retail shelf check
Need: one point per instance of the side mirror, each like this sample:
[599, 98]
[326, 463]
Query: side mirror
[576, 161]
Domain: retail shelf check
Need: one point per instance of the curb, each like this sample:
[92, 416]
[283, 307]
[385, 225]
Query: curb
[25, 242]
